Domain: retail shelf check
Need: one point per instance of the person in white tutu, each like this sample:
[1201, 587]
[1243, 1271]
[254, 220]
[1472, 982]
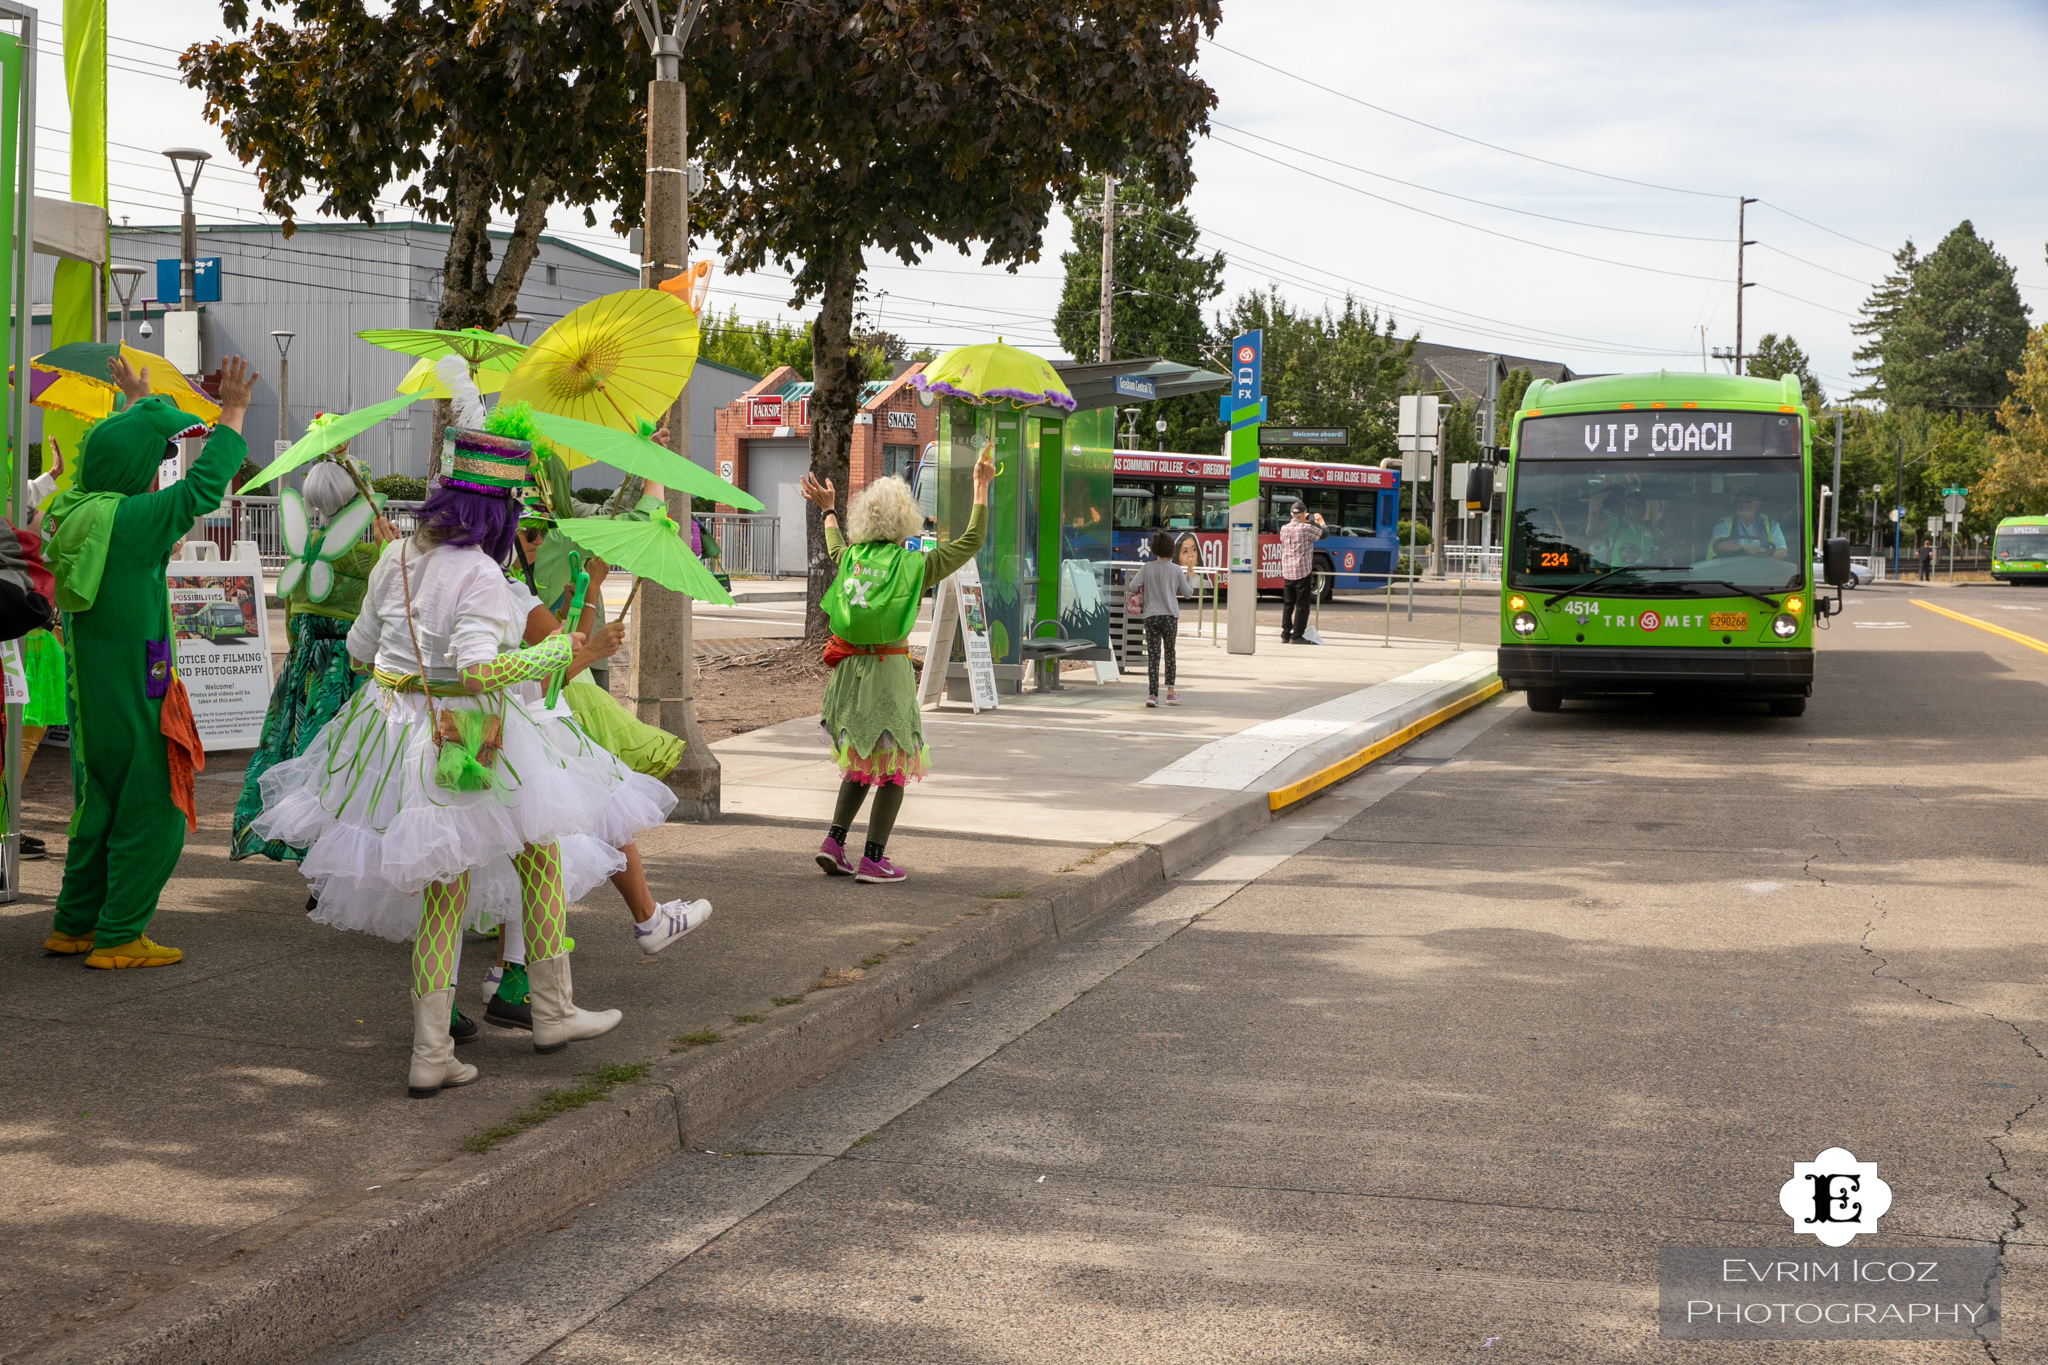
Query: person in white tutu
[439, 789]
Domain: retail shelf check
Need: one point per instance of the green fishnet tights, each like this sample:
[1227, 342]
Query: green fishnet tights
[439, 941]
[543, 914]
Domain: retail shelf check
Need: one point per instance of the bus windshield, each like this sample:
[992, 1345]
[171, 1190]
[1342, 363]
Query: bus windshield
[1678, 497]
[2020, 542]
[1682, 521]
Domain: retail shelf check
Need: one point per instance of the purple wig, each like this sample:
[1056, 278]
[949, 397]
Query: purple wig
[457, 515]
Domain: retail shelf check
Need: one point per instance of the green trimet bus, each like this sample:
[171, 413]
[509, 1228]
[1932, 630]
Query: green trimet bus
[2019, 550]
[1658, 540]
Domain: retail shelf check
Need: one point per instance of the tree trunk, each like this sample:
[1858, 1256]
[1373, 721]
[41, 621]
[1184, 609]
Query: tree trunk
[835, 397]
[469, 296]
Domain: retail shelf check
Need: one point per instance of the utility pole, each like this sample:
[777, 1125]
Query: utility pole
[1899, 507]
[1102, 351]
[284, 392]
[1835, 513]
[664, 652]
[1491, 456]
[1741, 235]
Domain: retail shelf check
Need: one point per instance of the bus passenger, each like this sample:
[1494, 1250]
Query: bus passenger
[1748, 531]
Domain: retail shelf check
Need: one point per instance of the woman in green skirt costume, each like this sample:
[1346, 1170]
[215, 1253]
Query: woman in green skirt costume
[870, 711]
[316, 681]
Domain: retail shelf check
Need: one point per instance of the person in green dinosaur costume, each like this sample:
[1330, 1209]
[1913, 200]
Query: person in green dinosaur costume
[113, 542]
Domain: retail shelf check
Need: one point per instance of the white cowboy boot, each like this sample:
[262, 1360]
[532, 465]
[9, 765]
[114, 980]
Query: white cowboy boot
[556, 1020]
[433, 1051]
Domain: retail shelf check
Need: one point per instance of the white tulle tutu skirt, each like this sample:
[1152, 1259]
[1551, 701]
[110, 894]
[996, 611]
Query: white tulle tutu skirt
[377, 829]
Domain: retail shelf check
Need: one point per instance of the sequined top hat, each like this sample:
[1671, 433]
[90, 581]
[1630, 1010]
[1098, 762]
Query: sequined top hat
[479, 462]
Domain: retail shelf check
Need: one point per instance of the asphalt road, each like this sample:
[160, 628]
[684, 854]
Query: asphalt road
[1427, 1071]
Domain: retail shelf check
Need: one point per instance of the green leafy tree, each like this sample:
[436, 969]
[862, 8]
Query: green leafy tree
[834, 127]
[1513, 385]
[1339, 368]
[1162, 285]
[2017, 482]
[475, 107]
[1951, 337]
[1937, 449]
[756, 347]
[1776, 357]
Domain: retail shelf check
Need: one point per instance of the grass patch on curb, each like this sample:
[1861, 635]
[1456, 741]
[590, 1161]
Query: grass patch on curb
[781, 1000]
[599, 1086]
[703, 1037]
[746, 1018]
[874, 959]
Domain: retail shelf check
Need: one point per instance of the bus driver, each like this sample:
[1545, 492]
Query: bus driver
[1749, 531]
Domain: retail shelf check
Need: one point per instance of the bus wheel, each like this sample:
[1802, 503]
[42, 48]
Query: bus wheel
[1545, 699]
[1788, 706]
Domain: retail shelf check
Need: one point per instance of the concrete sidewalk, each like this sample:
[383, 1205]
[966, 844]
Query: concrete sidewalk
[217, 1162]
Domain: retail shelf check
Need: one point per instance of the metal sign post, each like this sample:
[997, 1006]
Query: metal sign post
[1416, 434]
[1243, 407]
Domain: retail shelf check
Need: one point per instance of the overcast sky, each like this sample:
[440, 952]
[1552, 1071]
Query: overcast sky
[1874, 122]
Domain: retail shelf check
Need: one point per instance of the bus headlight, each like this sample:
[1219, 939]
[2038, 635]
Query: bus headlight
[1784, 626]
[1524, 623]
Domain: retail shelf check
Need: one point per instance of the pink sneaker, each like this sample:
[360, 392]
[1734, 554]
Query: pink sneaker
[1172, 697]
[879, 870]
[832, 857]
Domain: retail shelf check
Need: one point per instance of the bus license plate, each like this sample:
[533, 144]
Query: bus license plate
[1727, 620]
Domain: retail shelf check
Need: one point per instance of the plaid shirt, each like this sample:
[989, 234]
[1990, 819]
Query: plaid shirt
[1297, 559]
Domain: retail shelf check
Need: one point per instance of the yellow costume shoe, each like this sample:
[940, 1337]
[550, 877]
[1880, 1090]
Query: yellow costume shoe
[61, 942]
[140, 953]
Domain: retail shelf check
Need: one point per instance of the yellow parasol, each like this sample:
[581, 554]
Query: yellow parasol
[76, 379]
[421, 382]
[611, 362]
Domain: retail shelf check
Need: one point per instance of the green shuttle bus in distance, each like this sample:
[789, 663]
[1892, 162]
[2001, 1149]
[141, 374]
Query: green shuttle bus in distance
[1658, 541]
[2019, 550]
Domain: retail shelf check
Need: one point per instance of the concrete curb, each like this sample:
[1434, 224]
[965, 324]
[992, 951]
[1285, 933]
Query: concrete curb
[325, 1276]
[1347, 742]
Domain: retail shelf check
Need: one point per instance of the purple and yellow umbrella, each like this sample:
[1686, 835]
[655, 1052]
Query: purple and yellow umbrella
[991, 372]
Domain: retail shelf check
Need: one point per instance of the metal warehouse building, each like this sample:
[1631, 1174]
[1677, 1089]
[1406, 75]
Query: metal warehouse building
[332, 280]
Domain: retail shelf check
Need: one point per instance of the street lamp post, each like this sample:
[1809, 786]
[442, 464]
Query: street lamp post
[664, 662]
[188, 226]
[127, 280]
[284, 390]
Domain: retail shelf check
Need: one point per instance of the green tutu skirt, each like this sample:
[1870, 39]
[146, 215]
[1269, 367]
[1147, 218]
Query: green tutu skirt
[317, 682]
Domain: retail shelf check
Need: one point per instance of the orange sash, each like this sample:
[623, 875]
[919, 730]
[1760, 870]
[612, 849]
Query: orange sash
[182, 749]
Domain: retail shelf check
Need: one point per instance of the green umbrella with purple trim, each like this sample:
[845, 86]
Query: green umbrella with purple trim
[991, 372]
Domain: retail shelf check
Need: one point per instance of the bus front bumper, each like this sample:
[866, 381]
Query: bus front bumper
[1582, 670]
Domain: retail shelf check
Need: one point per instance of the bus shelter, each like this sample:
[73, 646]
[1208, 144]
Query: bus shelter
[1045, 565]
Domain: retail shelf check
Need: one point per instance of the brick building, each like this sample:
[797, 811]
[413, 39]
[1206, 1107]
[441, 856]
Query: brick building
[763, 443]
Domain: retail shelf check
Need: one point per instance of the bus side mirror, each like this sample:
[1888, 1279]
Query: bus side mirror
[924, 484]
[1479, 488]
[1834, 562]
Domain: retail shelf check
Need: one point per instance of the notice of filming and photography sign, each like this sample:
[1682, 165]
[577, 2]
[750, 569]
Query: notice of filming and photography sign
[223, 631]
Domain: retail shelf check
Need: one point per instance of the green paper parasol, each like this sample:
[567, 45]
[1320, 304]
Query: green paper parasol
[328, 431]
[636, 454]
[473, 344]
[991, 372]
[647, 549]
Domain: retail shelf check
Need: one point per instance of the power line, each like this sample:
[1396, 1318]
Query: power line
[1465, 198]
[1830, 231]
[1458, 222]
[1481, 142]
[1812, 266]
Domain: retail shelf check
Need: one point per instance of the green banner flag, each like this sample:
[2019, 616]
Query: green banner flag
[85, 80]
